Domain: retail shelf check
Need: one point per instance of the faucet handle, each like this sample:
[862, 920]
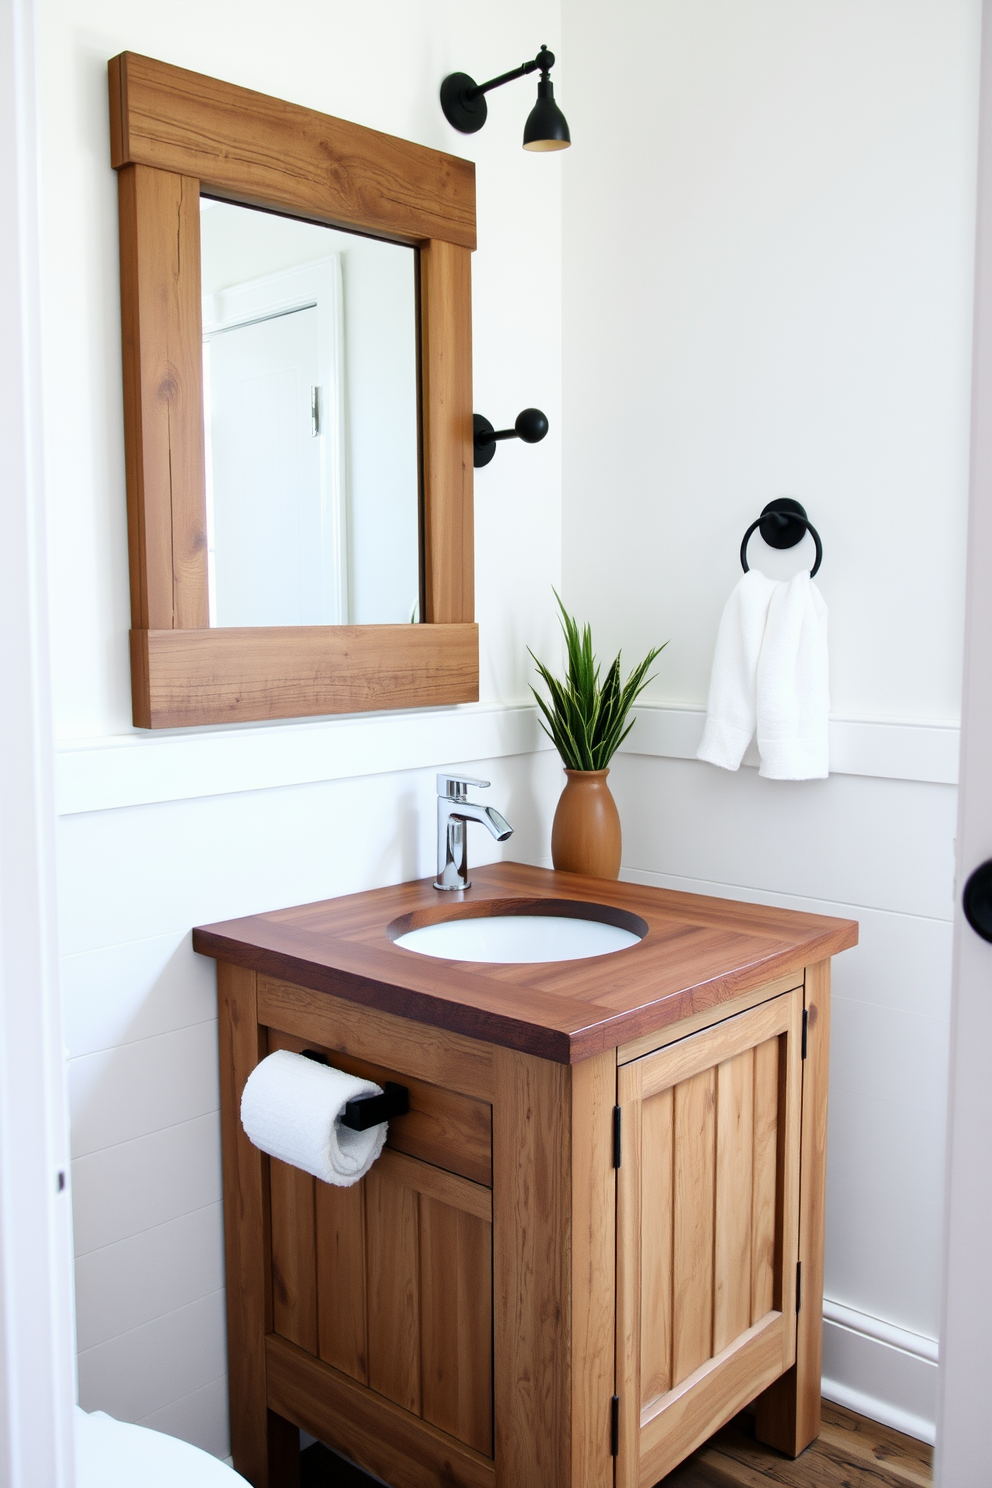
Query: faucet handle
[455, 787]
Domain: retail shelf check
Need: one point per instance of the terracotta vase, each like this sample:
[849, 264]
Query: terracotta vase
[585, 837]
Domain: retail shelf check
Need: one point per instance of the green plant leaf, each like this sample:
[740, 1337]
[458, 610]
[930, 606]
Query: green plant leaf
[585, 720]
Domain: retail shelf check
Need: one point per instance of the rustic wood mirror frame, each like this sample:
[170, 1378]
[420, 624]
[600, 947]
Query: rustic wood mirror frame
[174, 135]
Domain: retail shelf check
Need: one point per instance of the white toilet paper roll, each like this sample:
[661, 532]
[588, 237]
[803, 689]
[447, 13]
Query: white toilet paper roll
[290, 1108]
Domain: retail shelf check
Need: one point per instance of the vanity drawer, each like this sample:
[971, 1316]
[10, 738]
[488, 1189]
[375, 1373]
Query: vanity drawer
[442, 1127]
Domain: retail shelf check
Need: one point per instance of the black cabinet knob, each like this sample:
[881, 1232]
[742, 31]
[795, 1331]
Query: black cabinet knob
[977, 900]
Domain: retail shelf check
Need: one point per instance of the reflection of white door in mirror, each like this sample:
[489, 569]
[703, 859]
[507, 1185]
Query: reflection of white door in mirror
[310, 418]
[275, 484]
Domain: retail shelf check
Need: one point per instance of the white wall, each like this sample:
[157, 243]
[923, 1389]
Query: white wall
[768, 242]
[135, 878]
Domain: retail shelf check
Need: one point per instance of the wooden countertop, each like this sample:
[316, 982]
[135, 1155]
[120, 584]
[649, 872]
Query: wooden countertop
[698, 952]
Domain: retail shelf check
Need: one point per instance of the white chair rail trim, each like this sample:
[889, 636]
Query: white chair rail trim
[106, 773]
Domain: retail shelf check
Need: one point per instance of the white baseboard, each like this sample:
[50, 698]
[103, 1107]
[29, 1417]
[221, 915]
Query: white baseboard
[880, 1371]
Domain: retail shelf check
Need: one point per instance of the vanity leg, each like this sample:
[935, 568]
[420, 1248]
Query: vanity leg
[788, 1415]
[284, 1452]
[245, 1234]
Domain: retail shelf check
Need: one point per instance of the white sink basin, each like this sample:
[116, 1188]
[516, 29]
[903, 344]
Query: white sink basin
[517, 937]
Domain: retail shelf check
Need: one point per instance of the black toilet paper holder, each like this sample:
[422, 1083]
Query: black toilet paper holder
[369, 1110]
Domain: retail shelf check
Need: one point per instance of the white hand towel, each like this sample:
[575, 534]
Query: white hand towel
[770, 677]
[731, 712]
[793, 701]
[290, 1108]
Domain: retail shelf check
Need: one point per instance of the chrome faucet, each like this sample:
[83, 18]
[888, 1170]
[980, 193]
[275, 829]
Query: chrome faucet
[454, 810]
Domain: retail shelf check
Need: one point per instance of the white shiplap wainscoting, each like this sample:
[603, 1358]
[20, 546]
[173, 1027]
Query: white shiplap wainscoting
[159, 832]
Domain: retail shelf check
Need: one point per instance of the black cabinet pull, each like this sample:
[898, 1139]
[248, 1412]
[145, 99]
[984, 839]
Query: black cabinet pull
[977, 900]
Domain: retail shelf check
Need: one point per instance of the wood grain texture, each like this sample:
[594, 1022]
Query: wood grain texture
[788, 1416]
[655, 1303]
[342, 1283]
[701, 1051]
[392, 1238]
[692, 1237]
[159, 215]
[592, 1270]
[456, 1288]
[531, 1271]
[446, 1188]
[251, 673]
[764, 1170]
[249, 147]
[446, 1060]
[708, 1398]
[733, 1221]
[447, 433]
[404, 1287]
[173, 134]
[442, 1127]
[696, 1022]
[699, 953]
[851, 1452]
[294, 1258]
[633, 1319]
[258, 1443]
[379, 1436]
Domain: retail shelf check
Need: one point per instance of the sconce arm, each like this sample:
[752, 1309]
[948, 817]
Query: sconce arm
[544, 61]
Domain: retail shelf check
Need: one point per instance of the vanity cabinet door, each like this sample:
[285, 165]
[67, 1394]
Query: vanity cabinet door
[707, 1226]
[405, 1292]
[391, 1283]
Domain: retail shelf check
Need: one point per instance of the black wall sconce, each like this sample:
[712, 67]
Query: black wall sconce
[531, 426]
[464, 103]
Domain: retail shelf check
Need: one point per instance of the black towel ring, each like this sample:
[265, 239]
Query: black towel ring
[783, 523]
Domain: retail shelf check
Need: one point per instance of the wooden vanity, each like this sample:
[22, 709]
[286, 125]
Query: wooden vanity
[597, 1234]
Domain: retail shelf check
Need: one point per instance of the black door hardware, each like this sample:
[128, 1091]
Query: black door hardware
[977, 900]
[531, 426]
[369, 1110]
[783, 523]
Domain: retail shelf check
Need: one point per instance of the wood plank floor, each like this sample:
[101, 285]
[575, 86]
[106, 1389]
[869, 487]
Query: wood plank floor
[851, 1452]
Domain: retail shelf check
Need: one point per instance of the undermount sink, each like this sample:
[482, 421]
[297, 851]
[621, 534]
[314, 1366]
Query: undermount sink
[524, 936]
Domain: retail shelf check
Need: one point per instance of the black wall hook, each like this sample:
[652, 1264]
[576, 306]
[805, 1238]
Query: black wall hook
[783, 524]
[531, 426]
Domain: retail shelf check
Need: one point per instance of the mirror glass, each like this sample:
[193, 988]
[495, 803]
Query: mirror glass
[311, 425]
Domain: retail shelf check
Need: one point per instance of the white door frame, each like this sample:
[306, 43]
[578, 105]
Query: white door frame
[966, 1324]
[37, 1352]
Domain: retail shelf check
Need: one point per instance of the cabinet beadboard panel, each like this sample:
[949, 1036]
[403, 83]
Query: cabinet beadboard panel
[390, 1282]
[708, 1195]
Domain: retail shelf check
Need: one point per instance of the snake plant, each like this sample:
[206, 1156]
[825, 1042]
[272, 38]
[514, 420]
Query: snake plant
[586, 719]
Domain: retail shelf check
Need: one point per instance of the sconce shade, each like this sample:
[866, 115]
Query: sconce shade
[546, 127]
